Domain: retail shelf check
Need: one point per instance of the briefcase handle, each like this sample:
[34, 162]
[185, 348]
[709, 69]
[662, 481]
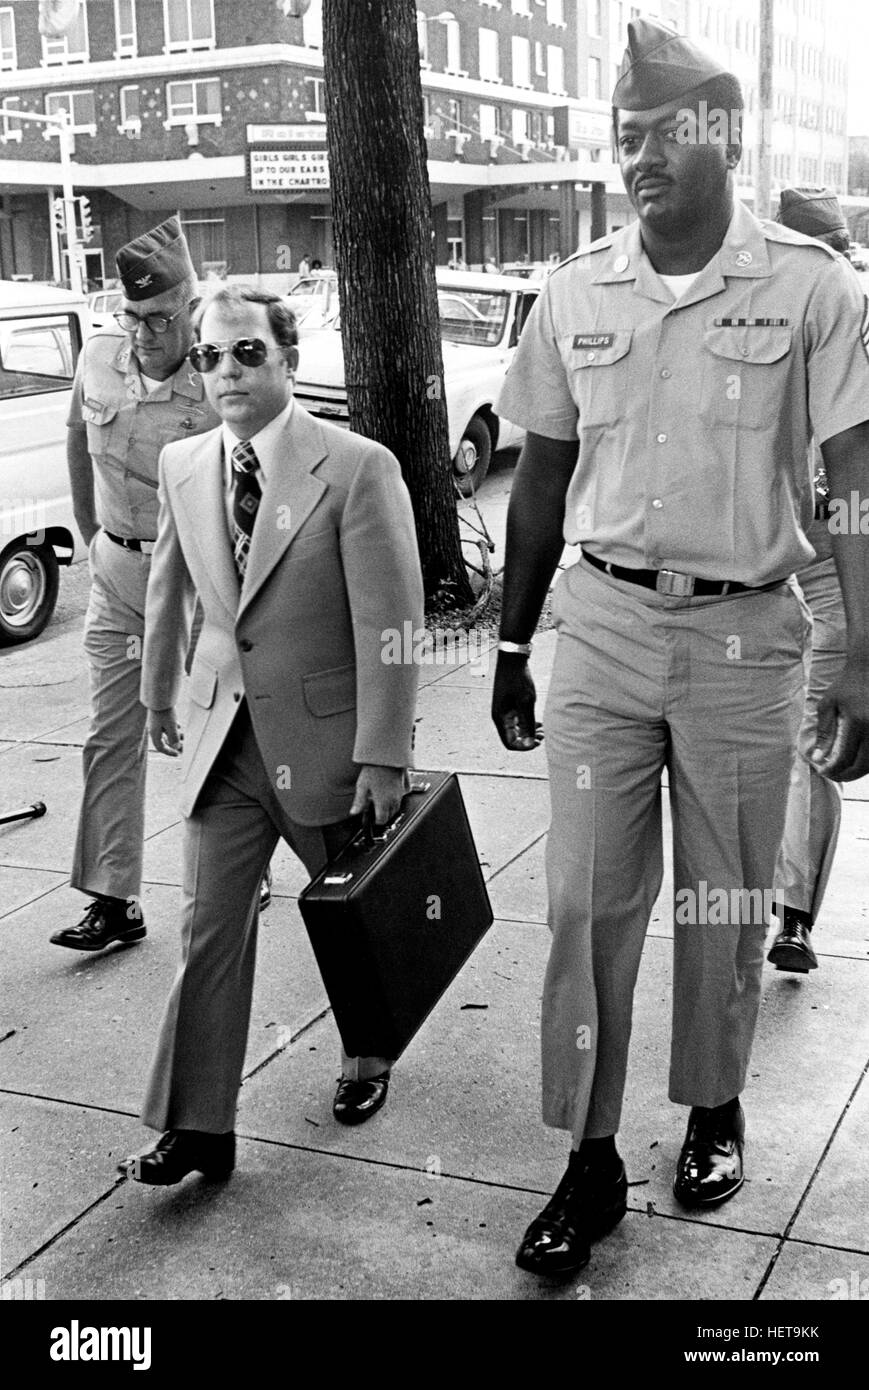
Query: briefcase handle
[373, 834]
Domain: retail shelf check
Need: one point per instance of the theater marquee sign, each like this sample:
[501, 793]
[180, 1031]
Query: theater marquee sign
[287, 159]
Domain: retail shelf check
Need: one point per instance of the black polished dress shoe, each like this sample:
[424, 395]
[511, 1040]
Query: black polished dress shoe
[356, 1101]
[103, 923]
[179, 1152]
[792, 948]
[710, 1164]
[587, 1203]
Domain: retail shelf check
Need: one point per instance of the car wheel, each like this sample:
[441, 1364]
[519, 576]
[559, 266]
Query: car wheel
[473, 456]
[29, 581]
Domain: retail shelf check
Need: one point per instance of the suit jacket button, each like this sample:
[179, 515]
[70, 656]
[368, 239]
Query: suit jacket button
[246, 644]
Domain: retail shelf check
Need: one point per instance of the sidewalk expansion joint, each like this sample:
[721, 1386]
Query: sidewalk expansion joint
[64, 1230]
[809, 1185]
[283, 1047]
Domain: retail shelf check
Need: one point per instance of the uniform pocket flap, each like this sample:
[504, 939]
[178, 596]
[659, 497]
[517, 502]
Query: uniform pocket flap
[331, 692]
[749, 344]
[203, 683]
[598, 349]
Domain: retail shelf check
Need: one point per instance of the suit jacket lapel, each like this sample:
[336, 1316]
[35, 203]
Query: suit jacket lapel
[202, 492]
[291, 493]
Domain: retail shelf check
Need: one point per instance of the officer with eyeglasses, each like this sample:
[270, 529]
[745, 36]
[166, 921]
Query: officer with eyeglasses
[134, 392]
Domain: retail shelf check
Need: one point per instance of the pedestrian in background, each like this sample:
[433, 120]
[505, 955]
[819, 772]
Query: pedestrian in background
[814, 802]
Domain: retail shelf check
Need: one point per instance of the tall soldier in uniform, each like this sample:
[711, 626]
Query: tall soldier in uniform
[134, 392]
[670, 377]
[815, 801]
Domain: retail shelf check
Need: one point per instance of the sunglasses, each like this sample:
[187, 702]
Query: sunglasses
[249, 352]
[155, 323]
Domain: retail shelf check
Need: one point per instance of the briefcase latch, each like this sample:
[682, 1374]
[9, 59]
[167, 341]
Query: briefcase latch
[338, 878]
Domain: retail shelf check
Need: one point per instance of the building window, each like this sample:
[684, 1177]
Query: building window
[521, 6]
[205, 232]
[125, 29]
[555, 63]
[312, 25]
[193, 103]
[490, 62]
[490, 122]
[8, 56]
[521, 61]
[10, 129]
[555, 12]
[595, 16]
[188, 24]
[539, 60]
[594, 78]
[422, 37]
[519, 125]
[316, 110]
[454, 46]
[71, 47]
[81, 107]
[454, 114]
[131, 121]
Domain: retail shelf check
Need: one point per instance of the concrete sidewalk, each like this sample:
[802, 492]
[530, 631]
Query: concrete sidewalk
[429, 1199]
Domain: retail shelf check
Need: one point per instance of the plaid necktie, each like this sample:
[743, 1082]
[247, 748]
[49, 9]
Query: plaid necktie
[246, 497]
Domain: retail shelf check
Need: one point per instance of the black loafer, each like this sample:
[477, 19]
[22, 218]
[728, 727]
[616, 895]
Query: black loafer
[587, 1203]
[792, 948]
[710, 1164]
[179, 1152]
[103, 923]
[356, 1101]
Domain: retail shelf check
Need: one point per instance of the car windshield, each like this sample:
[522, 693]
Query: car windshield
[472, 316]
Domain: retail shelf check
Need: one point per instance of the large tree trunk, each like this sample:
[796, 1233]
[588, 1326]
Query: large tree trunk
[382, 227]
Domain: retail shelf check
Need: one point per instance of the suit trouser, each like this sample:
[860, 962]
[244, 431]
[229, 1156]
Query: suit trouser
[111, 827]
[228, 841]
[814, 811]
[711, 689]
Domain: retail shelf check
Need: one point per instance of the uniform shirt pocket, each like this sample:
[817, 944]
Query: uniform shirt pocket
[598, 366]
[744, 375]
[98, 417]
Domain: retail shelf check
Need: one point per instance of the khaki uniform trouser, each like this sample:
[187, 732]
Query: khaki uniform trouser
[110, 838]
[228, 841]
[814, 811]
[711, 689]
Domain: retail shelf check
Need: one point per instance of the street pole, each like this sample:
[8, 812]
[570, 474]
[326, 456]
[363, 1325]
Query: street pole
[763, 177]
[62, 120]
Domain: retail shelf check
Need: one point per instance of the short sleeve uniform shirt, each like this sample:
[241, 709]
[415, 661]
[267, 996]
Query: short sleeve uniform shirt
[127, 426]
[694, 416]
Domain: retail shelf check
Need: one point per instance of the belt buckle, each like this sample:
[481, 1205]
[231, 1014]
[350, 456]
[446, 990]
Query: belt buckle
[674, 584]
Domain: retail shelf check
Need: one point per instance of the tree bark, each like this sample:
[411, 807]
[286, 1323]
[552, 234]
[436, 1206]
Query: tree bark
[384, 255]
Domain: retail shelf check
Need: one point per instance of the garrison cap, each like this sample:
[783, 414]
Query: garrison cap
[660, 66]
[155, 262]
[812, 211]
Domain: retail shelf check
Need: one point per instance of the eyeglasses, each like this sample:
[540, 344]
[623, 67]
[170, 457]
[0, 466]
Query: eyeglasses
[249, 352]
[155, 323]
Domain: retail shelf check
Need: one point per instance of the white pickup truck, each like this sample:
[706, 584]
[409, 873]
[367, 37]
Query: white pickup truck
[41, 334]
[481, 317]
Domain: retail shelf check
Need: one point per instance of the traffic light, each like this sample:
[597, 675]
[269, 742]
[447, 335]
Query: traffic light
[58, 213]
[87, 228]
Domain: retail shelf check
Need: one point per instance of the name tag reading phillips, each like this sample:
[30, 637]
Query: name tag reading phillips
[594, 340]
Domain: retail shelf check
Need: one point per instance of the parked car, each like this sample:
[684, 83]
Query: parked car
[527, 270]
[481, 317]
[314, 299]
[41, 334]
[103, 304]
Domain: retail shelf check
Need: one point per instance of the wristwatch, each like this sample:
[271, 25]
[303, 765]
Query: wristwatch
[515, 648]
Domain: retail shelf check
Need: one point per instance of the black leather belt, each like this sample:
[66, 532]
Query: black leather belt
[127, 543]
[675, 584]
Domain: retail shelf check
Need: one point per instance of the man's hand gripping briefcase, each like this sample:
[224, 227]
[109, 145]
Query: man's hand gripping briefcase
[392, 920]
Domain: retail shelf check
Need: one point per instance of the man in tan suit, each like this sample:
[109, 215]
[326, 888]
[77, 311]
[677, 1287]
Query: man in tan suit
[299, 540]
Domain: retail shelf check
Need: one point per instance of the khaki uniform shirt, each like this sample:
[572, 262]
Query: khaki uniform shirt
[694, 416]
[127, 427]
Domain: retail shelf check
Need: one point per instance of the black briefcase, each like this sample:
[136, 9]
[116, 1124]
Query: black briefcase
[395, 916]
